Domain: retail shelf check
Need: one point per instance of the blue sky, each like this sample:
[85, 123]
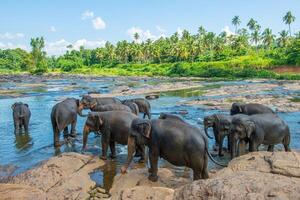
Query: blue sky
[92, 22]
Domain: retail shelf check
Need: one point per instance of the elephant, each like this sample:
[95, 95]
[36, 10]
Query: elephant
[63, 114]
[267, 129]
[170, 116]
[110, 107]
[133, 106]
[220, 124]
[179, 143]
[21, 116]
[89, 102]
[114, 126]
[249, 109]
[143, 104]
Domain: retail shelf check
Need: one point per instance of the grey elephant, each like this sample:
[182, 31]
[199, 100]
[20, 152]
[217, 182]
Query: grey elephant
[220, 124]
[89, 102]
[133, 106]
[267, 129]
[110, 107]
[114, 126]
[64, 114]
[249, 109]
[178, 142]
[21, 116]
[143, 104]
[170, 116]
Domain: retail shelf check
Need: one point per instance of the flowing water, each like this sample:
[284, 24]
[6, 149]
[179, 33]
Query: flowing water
[23, 151]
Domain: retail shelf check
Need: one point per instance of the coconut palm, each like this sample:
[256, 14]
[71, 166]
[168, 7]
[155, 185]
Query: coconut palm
[268, 37]
[236, 22]
[288, 19]
[283, 38]
[252, 24]
[255, 37]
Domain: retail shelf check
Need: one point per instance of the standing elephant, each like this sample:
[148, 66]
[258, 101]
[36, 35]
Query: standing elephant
[63, 114]
[114, 126]
[249, 109]
[89, 102]
[143, 104]
[133, 106]
[21, 116]
[170, 116]
[110, 107]
[220, 124]
[267, 129]
[178, 142]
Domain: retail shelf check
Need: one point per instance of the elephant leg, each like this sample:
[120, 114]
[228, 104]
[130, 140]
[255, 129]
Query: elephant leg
[148, 114]
[66, 131]
[241, 147]
[271, 148]
[286, 143]
[142, 152]
[153, 157]
[73, 129]
[253, 146]
[17, 126]
[228, 143]
[105, 141]
[196, 174]
[112, 149]
[221, 146]
[56, 137]
[144, 116]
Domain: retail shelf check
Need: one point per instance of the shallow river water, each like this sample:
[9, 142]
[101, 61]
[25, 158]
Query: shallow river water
[21, 152]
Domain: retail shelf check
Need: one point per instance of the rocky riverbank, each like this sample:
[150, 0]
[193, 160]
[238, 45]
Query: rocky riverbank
[258, 175]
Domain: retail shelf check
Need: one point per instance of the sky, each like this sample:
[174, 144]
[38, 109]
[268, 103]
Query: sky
[93, 22]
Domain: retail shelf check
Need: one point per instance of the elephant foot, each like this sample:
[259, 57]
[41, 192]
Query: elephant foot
[58, 144]
[221, 154]
[150, 170]
[113, 156]
[103, 157]
[142, 160]
[73, 135]
[153, 178]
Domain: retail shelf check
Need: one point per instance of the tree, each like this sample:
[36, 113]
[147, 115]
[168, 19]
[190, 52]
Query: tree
[136, 37]
[252, 24]
[268, 37]
[236, 22]
[288, 19]
[255, 37]
[39, 56]
[283, 38]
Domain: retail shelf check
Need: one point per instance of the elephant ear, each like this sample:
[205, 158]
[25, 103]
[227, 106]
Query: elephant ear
[99, 120]
[13, 106]
[250, 127]
[143, 127]
[26, 105]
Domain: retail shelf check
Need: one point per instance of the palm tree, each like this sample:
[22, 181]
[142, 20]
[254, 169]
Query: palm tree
[255, 37]
[136, 37]
[268, 37]
[283, 39]
[236, 22]
[288, 19]
[252, 24]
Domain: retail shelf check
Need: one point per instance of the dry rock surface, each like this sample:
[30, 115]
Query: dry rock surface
[62, 177]
[257, 175]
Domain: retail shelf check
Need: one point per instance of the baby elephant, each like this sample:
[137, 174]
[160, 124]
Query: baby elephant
[143, 104]
[110, 107]
[21, 115]
[249, 109]
[220, 124]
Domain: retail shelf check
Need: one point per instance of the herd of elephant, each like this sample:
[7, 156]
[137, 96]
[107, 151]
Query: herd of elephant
[168, 137]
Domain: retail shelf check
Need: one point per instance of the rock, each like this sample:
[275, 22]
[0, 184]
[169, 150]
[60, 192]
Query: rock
[17, 191]
[62, 177]
[152, 96]
[258, 175]
[145, 192]
[139, 177]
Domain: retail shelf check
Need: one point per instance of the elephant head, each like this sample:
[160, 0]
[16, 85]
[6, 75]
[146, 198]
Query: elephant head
[94, 122]
[140, 132]
[210, 121]
[88, 102]
[236, 108]
[80, 107]
[240, 129]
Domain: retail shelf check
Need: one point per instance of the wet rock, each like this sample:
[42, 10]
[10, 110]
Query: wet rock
[62, 177]
[258, 175]
[152, 96]
[6, 170]
[139, 177]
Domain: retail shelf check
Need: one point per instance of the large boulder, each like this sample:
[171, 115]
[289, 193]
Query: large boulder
[17, 191]
[128, 183]
[62, 177]
[258, 175]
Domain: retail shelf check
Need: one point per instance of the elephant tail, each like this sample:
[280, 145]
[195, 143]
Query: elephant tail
[213, 160]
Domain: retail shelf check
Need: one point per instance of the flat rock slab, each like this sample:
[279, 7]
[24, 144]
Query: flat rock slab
[62, 177]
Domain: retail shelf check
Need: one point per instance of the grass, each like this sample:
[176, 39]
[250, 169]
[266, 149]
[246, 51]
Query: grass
[295, 100]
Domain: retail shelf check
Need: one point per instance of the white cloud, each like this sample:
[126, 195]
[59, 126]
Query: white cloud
[160, 29]
[59, 47]
[87, 15]
[10, 45]
[52, 29]
[98, 23]
[11, 36]
[143, 34]
[227, 30]
[179, 31]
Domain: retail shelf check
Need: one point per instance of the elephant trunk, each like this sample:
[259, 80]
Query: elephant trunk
[233, 146]
[206, 133]
[80, 113]
[86, 131]
[131, 150]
